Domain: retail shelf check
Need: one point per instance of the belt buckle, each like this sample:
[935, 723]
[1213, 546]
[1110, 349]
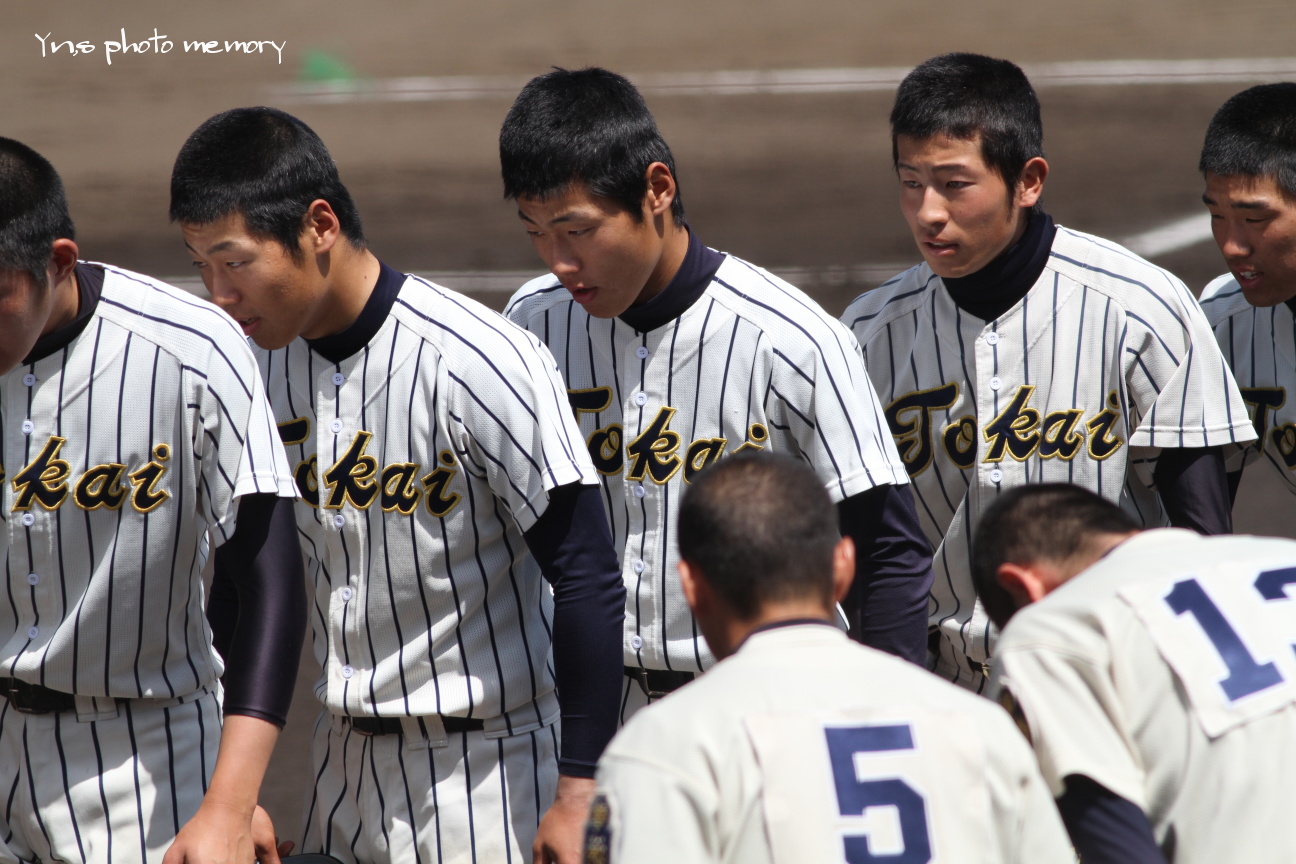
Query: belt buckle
[18, 696]
[641, 675]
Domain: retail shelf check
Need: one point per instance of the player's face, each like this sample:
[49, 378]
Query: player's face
[25, 308]
[1255, 227]
[958, 207]
[253, 278]
[606, 258]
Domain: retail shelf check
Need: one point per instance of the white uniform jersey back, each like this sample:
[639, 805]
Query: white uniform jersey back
[1260, 346]
[752, 364]
[421, 459]
[121, 452]
[1106, 360]
[804, 747]
[1165, 673]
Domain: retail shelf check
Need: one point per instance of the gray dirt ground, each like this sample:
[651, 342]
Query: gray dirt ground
[786, 181]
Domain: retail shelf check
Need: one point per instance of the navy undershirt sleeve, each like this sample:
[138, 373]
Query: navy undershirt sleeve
[573, 545]
[887, 603]
[1194, 489]
[257, 609]
[1105, 828]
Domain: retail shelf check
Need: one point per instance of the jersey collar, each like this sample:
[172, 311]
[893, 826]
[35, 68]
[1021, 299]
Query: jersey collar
[1001, 284]
[337, 347]
[689, 283]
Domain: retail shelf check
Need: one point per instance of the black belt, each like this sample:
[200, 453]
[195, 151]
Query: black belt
[656, 683]
[35, 699]
[392, 725]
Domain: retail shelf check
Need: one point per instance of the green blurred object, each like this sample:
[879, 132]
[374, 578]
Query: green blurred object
[320, 65]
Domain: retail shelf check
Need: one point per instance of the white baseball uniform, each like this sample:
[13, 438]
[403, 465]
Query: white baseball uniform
[421, 460]
[1260, 347]
[125, 453]
[752, 364]
[805, 747]
[1106, 360]
[1166, 673]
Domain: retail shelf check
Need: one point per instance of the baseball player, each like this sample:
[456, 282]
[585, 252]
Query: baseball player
[1021, 352]
[801, 746]
[441, 477]
[676, 355]
[1156, 679]
[1249, 162]
[136, 438]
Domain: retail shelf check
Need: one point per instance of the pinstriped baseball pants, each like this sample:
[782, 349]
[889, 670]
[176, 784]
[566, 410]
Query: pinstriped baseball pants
[103, 790]
[478, 799]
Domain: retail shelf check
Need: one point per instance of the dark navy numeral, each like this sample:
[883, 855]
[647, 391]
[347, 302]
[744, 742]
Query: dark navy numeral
[1272, 584]
[1246, 676]
[854, 796]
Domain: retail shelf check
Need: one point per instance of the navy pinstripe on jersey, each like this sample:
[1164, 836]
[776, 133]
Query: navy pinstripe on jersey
[1106, 360]
[421, 459]
[753, 363]
[120, 452]
[1260, 346]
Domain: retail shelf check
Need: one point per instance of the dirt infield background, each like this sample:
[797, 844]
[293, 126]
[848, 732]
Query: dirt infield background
[799, 182]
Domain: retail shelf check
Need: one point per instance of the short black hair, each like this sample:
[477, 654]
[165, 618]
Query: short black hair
[761, 528]
[969, 96]
[265, 165]
[586, 126]
[1254, 134]
[1037, 522]
[33, 211]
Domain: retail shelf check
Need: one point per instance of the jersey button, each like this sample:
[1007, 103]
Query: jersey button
[346, 593]
[338, 378]
[996, 476]
[638, 490]
[992, 338]
[339, 520]
[995, 383]
[347, 671]
[29, 379]
[336, 425]
[33, 632]
[33, 578]
[638, 566]
[27, 427]
[641, 352]
[636, 642]
[641, 398]
[29, 519]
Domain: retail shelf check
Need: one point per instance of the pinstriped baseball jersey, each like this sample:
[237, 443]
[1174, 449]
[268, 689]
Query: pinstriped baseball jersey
[1104, 361]
[1165, 673]
[421, 459]
[120, 452]
[1260, 347]
[753, 363]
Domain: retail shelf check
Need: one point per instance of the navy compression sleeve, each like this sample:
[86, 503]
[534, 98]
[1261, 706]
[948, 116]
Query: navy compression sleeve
[1105, 828]
[257, 609]
[1194, 489]
[573, 545]
[887, 603]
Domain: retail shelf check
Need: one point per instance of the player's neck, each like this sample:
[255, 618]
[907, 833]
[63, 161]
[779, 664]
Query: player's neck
[350, 274]
[734, 632]
[67, 302]
[675, 244]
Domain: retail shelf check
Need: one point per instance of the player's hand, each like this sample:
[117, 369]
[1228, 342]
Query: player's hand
[562, 830]
[267, 845]
[217, 834]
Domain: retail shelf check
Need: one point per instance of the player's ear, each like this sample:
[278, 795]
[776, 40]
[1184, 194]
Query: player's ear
[1031, 183]
[63, 257]
[843, 568]
[661, 189]
[321, 228]
[1023, 582]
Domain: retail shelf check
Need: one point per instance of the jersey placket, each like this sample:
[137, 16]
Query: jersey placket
[641, 404]
[29, 535]
[337, 431]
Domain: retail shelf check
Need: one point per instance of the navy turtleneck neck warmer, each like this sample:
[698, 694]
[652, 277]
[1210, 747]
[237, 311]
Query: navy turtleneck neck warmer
[689, 283]
[998, 286]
